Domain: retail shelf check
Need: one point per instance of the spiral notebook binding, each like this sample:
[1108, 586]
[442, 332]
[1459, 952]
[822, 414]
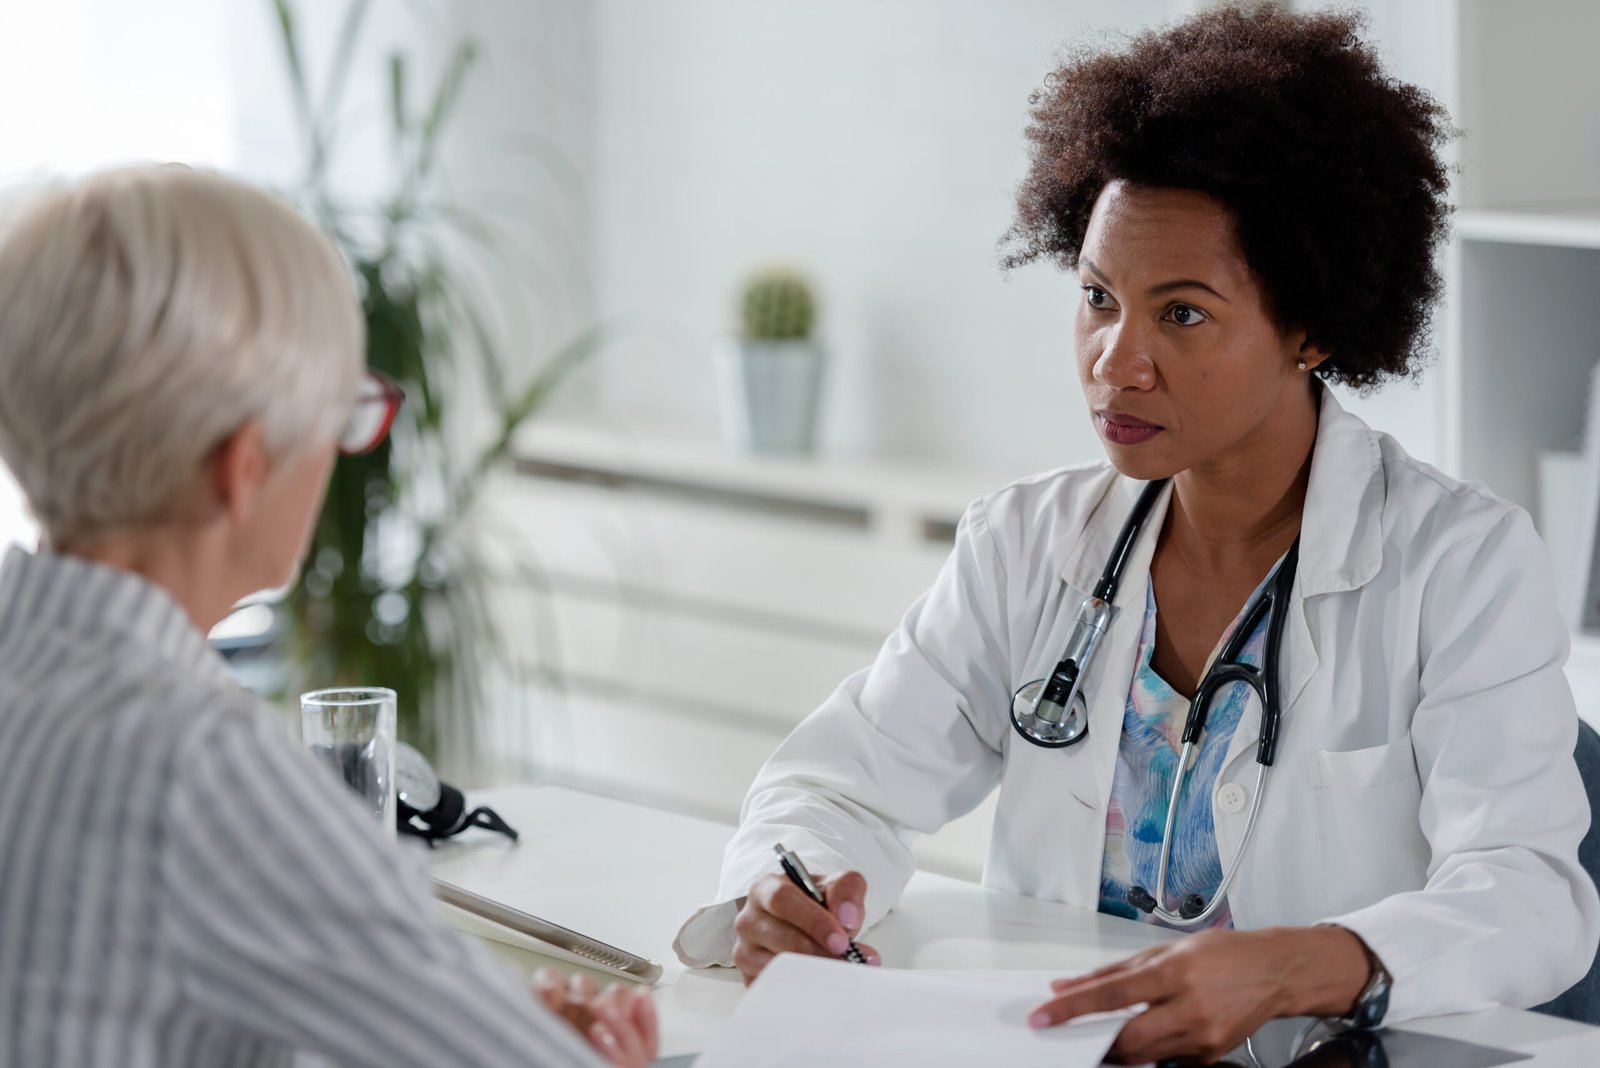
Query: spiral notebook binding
[626, 965]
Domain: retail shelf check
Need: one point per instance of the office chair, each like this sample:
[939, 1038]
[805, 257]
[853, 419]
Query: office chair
[1582, 1001]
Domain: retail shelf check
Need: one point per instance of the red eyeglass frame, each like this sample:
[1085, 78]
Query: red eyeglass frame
[391, 396]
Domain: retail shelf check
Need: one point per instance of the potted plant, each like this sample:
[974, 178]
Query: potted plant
[771, 374]
[398, 590]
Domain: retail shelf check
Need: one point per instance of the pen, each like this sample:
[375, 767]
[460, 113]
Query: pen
[798, 875]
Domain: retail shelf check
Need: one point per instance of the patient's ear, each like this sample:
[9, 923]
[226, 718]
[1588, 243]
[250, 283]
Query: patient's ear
[237, 472]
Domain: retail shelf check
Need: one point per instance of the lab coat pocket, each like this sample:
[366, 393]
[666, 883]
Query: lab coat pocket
[1374, 766]
[1368, 805]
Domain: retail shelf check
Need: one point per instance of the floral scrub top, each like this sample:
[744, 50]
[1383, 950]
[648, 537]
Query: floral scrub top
[1152, 727]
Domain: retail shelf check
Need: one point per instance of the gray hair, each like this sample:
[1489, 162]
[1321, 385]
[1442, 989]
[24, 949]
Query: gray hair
[148, 313]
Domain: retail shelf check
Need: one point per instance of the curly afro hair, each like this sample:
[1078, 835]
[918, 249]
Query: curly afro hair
[1329, 166]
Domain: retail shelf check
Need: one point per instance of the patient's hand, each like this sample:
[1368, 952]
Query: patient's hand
[778, 917]
[619, 1023]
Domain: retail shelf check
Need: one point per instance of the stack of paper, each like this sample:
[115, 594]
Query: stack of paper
[810, 1011]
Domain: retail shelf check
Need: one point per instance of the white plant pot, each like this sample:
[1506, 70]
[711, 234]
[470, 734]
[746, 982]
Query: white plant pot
[770, 392]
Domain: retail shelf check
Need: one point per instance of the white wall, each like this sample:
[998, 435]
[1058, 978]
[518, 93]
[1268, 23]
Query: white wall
[1417, 41]
[89, 83]
[1552, 162]
[517, 153]
[877, 143]
[639, 157]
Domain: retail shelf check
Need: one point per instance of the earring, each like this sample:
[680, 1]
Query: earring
[1301, 364]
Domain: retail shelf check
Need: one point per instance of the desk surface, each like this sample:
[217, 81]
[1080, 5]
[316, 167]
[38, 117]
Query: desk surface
[629, 875]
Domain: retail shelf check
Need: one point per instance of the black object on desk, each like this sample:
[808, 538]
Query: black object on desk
[1274, 1047]
[1299, 1042]
[431, 809]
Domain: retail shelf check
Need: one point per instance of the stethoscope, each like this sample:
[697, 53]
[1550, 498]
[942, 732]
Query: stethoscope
[1054, 713]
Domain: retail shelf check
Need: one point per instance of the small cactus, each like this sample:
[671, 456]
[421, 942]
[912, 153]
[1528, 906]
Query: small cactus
[778, 306]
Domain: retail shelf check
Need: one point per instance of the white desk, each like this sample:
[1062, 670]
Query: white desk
[629, 875]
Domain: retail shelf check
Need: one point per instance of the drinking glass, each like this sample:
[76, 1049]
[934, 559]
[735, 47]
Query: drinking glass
[353, 732]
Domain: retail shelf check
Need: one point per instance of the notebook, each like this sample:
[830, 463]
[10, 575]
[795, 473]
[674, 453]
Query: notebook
[560, 942]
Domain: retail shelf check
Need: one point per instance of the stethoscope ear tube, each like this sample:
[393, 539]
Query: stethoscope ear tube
[1111, 577]
[1271, 711]
[1273, 602]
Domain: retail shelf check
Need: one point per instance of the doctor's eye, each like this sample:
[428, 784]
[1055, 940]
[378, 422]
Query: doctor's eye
[1186, 315]
[1097, 297]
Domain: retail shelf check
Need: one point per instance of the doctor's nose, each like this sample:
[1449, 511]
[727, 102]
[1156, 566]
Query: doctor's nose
[1122, 363]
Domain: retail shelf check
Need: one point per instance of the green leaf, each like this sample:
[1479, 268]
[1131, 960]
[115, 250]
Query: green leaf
[555, 371]
[301, 89]
[478, 229]
[291, 54]
[444, 101]
[491, 365]
[468, 223]
[522, 406]
[459, 297]
[292, 59]
[339, 70]
[397, 98]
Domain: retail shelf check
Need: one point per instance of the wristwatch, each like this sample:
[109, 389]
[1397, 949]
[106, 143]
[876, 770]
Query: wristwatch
[1373, 1001]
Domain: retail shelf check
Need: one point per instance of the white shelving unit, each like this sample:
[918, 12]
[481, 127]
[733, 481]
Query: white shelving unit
[1520, 342]
[707, 602]
[1575, 226]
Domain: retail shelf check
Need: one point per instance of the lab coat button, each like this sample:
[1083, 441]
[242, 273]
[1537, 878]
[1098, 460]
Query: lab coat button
[1231, 798]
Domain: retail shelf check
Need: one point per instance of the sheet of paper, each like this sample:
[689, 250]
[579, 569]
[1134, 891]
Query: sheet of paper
[809, 1012]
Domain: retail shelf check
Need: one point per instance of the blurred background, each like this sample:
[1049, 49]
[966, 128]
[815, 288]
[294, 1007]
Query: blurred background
[706, 347]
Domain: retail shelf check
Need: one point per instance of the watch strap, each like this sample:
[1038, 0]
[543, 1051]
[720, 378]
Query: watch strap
[1373, 1003]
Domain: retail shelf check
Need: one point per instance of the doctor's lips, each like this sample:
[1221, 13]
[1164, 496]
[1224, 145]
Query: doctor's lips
[1121, 429]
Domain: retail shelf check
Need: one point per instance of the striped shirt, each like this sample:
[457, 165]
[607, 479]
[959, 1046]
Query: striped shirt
[181, 885]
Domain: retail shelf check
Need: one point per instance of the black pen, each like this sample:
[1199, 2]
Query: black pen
[798, 875]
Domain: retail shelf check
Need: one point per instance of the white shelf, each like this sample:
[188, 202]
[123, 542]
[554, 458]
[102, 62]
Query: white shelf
[707, 601]
[884, 496]
[1525, 269]
[1558, 225]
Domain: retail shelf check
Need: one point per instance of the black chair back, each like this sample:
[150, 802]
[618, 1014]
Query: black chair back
[1582, 1001]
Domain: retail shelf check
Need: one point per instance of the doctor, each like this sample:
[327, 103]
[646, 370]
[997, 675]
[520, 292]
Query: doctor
[1251, 207]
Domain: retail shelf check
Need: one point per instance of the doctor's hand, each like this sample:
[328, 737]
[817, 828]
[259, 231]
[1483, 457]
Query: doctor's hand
[778, 917]
[620, 1022]
[1208, 992]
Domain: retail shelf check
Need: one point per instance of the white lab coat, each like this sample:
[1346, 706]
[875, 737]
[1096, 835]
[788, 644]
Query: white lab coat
[1424, 793]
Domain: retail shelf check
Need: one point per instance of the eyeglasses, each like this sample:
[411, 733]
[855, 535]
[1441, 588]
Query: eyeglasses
[377, 403]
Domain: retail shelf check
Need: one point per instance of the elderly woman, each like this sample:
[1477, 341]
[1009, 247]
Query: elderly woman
[180, 360]
[1260, 674]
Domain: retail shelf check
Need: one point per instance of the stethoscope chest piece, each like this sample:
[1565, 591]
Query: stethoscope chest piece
[1043, 731]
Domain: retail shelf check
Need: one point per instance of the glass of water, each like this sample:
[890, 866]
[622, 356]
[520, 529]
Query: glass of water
[353, 732]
